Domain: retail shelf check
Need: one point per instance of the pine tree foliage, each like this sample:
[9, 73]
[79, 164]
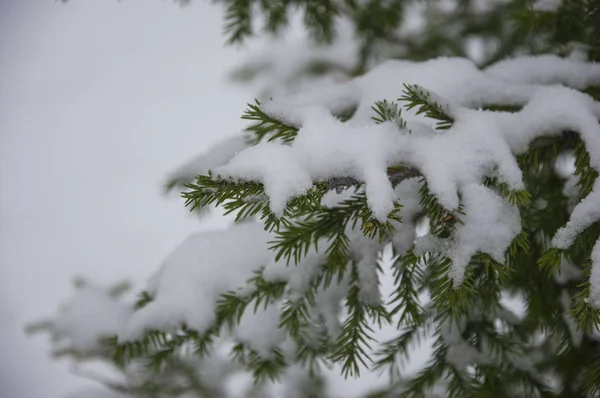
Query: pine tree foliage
[316, 299]
[266, 127]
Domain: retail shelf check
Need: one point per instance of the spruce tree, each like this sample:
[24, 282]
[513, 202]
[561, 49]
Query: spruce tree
[467, 185]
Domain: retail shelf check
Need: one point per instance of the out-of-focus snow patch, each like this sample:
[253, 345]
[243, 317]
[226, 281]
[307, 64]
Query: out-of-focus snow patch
[90, 315]
[260, 330]
[292, 62]
[191, 279]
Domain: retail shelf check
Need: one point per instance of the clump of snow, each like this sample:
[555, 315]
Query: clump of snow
[90, 315]
[583, 215]
[489, 226]
[196, 273]
[260, 329]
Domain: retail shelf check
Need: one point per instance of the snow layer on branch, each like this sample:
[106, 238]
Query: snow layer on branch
[204, 266]
[256, 164]
[547, 69]
[217, 156]
[550, 111]
[326, 147]
[90, 315]
[456, 79]
[288, 171]
[455, 162]
[584, 215]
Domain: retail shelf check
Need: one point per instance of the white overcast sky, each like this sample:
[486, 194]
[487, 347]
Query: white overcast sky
[99, 100]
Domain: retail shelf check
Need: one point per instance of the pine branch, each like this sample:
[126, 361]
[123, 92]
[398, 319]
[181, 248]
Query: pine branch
[238, 20]
[441, 221]
[388, 112]
[319, 18]
[395, 352]
[329, 224]
[429, 104]
[550, 260]
[276, 12]
[587, 315]
[262, 368]
[143, 299]
[406, 297]
[519, 198]
[266, 126]
[591, 377]
[351, 346]
[587, 175]
[446, 295]
[294, 317]
[158, 346]
[246, 199]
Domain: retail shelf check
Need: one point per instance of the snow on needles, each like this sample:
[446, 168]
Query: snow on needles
[455, 162]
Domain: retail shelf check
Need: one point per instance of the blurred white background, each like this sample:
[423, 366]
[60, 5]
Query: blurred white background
[99, 100]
